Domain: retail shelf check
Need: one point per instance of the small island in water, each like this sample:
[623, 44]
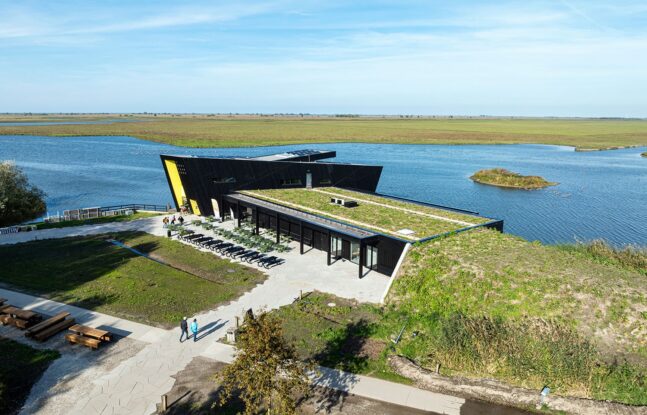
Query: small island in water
[644, 154]
[506, 178]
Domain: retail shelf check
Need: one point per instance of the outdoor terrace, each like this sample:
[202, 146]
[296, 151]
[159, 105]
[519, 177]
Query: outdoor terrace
[394, 217]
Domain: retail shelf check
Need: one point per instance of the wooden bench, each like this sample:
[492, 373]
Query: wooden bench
[4, 307]
[53, 329]
[16, 322]
[46, 323]
[86, 341]
[101, 335]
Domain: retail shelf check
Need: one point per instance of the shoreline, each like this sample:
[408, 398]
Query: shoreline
[306, 142]
[507, 186]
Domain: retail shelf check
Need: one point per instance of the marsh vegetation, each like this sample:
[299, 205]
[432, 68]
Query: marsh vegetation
[243, 131]
[506, 178]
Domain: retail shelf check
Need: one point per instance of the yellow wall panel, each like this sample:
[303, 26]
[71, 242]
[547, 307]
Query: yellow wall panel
[176, 182]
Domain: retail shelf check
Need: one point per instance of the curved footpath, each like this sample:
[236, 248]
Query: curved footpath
[136, 384]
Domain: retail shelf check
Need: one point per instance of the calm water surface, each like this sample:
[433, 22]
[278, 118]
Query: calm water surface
[601, 194]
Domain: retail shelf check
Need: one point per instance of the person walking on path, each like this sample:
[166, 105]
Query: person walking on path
[181, 220]
[184, 326]
[165, 222]
[173, 220]
[194, 330]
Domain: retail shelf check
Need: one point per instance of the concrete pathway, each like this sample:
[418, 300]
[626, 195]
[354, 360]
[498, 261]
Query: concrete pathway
[136, 384]
[364, 386]
[152, 225]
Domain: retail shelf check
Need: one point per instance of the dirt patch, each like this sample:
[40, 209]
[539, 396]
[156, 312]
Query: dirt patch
[196, 393]
[368, 348]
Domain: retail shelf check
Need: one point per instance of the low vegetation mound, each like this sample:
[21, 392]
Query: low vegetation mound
[92, 273]
[644, 154]
[506, 178]
[20, 368]
[487, 305]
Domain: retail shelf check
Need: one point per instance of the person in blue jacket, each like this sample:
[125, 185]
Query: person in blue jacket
[194, 329]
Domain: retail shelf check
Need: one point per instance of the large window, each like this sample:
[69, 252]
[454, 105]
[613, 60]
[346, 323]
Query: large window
[371, 257]
[224, 180]
[290, 182]
[335, 246]
[354, 252]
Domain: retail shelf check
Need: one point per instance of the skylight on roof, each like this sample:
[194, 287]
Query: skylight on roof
[406, 231]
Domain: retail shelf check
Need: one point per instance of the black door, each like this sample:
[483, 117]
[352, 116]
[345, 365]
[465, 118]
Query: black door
[345, 249]
[319, 240]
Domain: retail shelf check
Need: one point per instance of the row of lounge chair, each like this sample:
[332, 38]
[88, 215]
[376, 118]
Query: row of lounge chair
[231, 250]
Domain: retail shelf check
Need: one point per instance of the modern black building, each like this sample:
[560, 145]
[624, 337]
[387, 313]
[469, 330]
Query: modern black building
[212, 187]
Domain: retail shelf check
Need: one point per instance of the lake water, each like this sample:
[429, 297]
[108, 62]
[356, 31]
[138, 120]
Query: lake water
[601, 194]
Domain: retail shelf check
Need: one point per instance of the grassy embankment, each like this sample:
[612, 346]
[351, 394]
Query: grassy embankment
[490, 305]
[377, 213]
[95, 274]
[20, 368]
[222, 131]
[506, 178]
[96, 221]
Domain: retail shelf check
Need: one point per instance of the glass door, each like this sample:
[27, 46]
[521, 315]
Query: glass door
[335, 247]
[354, 252]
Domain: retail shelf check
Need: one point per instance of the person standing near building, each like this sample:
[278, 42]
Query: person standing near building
[185, 329]
[194, 330]
[181, 220]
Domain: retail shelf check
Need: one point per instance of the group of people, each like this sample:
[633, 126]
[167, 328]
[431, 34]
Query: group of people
[172, 221]
[184, 327]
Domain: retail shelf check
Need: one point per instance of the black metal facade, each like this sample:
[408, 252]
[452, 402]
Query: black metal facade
[204, 179]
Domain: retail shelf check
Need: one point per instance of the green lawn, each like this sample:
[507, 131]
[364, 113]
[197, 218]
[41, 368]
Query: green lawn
[95, 274]
[96, 221]
[222, 131]
[377, 213]
[490, 305]
[505, 178]
[20, 368]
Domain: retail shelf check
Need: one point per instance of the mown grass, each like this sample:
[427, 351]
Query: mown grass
[20, 368]
[489, 305]
[506, 178]
[384, 219]
[244, 131]
[96, 221]
[92, 273]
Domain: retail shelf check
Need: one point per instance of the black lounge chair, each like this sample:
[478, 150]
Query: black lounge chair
[192, 237]
[211, 243]
[233, 250]
[203, 241]
[198, 241]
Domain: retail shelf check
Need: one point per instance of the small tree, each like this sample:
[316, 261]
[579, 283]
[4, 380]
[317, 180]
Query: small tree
[266, 371]
[19, 200]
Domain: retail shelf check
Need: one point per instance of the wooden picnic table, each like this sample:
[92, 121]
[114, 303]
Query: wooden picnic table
[90, 332]
[21, 314]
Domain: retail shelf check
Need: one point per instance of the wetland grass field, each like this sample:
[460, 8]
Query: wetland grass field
[242, 131]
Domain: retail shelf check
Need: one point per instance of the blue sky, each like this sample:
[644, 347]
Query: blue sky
[563, 58]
